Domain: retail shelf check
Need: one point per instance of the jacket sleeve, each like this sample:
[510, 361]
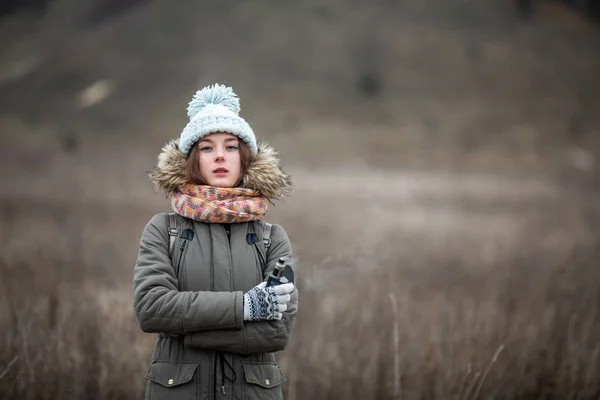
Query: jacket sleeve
[256, 336]
[160, 307]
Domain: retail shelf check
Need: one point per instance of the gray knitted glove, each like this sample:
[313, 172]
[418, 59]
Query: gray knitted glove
[266, 303]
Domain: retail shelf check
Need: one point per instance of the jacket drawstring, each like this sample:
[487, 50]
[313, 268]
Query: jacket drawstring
[220, 357]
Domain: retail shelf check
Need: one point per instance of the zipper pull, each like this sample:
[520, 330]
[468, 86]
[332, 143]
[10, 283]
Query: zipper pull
[223, 390]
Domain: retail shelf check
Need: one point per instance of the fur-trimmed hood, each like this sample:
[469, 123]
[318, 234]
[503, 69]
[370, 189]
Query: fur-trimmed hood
[264, 174]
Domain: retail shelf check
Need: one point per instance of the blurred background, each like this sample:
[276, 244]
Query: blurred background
[445, 214]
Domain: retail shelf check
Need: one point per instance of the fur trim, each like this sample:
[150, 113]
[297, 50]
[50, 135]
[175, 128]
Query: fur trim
[264, 174]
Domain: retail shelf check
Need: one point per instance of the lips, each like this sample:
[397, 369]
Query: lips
[220, 170]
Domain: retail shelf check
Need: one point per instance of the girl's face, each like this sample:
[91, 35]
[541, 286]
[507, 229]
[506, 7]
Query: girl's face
[219, 158]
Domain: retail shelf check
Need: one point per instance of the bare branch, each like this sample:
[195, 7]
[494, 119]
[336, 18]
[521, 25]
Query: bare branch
[14, 360]
[487, 371]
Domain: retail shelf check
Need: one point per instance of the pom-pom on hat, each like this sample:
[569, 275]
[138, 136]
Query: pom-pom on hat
[215, 109]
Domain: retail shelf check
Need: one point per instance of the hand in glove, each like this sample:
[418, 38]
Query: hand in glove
[266, 303]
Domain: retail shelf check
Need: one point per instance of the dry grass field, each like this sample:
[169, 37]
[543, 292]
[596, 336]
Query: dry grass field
[453, 287]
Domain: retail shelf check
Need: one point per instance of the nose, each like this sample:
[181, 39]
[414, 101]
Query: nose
[219, 154]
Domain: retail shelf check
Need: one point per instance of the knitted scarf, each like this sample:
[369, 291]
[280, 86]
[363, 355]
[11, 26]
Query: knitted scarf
[219, 205]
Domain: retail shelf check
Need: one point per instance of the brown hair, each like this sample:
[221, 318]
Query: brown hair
[192, 166]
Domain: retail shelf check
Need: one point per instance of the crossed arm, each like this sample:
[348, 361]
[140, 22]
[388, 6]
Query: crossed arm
[209, 320]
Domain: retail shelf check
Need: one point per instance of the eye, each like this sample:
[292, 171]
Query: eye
[232, 147]
[206, 148]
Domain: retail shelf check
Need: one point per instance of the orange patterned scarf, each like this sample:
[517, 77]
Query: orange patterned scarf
[219, 205]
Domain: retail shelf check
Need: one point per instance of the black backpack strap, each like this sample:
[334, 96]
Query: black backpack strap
[173, 233]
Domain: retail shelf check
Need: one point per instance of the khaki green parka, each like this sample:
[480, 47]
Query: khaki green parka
[194, 299]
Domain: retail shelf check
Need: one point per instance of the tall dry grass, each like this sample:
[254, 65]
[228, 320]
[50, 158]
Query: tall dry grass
[396, 318]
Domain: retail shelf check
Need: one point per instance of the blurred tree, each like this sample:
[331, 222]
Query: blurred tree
[369, 83]
[70, 142]
[103, 10]
[524, 8]
[35, 7]
[591, 8]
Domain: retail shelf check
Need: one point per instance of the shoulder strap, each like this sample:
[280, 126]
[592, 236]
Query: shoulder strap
[173, 233]
[267, 235]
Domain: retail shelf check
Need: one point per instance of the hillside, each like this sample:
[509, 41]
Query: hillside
[434, 84]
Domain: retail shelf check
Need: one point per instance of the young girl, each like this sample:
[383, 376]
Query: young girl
[199, 276]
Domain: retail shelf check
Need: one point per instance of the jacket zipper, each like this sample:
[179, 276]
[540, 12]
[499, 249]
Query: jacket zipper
[228, 236]
[212, 261]
[231, 280]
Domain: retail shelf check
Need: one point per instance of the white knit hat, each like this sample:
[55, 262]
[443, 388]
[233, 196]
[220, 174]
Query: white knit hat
[215, 109]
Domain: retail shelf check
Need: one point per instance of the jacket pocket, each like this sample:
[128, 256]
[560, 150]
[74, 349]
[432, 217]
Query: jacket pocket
[262, 381]
[171, 381]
